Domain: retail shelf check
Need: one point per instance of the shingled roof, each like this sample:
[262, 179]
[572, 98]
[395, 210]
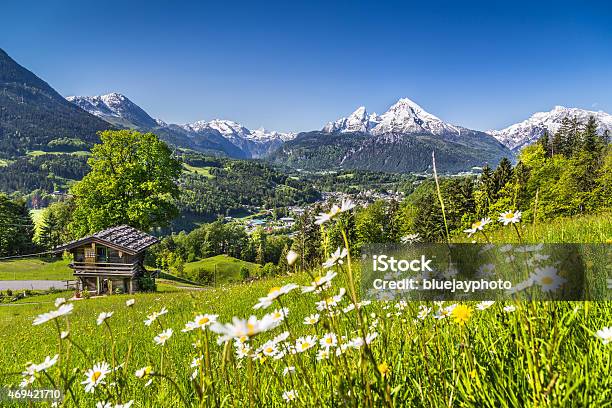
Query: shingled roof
[122, 237]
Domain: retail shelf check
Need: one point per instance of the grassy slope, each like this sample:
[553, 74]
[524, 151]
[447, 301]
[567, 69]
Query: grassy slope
[35, 269]
[595, 228]
[202, 171]
[227, 267]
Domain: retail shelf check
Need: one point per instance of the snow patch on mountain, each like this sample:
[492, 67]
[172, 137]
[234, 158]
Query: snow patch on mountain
[524, 133]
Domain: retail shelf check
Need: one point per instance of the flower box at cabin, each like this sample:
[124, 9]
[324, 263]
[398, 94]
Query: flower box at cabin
[111, 260]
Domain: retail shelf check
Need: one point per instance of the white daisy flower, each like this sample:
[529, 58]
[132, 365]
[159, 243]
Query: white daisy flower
[130, 302]
[269, 348]
[355, 343]
[527, 283]
[290, 396]
[323, 354]
[103, 404]
[243, 350]
[423, 312]
[103, 316]
[200, 322]
[95, 376]
[322, 218]
[274, 293]
[281, 337]
[410, 239]
[319, 282]
[349, 308]
[605, 335]
[304, 343]
[548, 278]
[485, 304]
[312, 319]
[60, 301]
[278, 315]
[63, 310]
[336, 258]
[144, 372]
[154, 316]
[330, 302]
[241, 327]
[347, 205]
[328, 340]
[509, 308]
[48, 363]
[510, 217]
[477, 226]
[163, 337]
[27, 381]
[283, 290]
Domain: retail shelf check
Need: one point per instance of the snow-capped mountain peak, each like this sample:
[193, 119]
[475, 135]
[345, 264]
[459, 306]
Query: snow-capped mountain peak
[358, 121]
[524, 133]
[261, 134]
[405, 116]
[256, 143]
[116, 109]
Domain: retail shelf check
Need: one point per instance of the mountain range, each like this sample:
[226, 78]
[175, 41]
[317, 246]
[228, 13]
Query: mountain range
[219, 135]
[34, 116]
[399, 140]
[524, 133]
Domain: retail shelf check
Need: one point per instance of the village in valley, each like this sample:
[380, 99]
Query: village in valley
[265, 218]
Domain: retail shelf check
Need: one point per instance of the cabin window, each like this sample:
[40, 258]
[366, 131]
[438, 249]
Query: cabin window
[102, 254]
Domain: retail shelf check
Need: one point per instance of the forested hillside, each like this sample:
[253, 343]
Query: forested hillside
[217, 186]
[32, 114]
[391, 152]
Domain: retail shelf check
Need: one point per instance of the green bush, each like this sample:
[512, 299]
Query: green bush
[146, 283]
[244, 273]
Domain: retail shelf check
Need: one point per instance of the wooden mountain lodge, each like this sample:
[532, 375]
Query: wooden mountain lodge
[110, 261]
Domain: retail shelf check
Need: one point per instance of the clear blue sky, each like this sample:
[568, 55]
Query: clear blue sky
[292, 65]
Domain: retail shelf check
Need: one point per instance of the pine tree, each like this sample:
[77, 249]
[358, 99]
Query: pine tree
[49, 236]
[574, 136]
[501, 176]
[484, 191]
[590, 139]
[544, 140]
[560, 139]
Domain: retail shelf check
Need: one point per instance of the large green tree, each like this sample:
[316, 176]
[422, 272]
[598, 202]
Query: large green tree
[133, 180]
[16, 227]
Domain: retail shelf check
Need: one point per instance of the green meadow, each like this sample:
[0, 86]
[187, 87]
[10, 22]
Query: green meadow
[222, 268]
[383, 353]
[35, 269]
